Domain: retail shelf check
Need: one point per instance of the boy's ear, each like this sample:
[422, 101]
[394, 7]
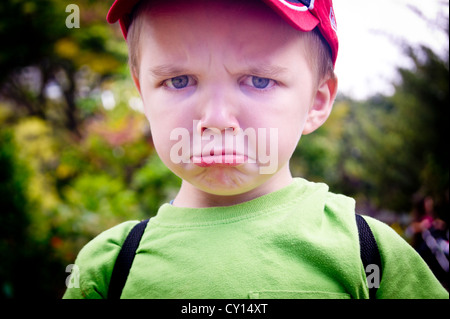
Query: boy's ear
[322, 105]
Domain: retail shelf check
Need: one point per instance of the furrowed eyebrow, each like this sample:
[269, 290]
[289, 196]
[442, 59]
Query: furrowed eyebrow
[166, 71]
[261, 70]
[264, 70]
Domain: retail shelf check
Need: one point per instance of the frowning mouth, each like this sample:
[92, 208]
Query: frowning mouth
[222, 149]
[220, 159]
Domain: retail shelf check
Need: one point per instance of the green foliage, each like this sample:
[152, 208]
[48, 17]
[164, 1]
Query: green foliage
[318, 155]
[13, 181]
[22, 257]
[40, 52]
[26, 24]
[154, 183]
[410, 136]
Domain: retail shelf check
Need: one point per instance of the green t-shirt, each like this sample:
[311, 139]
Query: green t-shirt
[298, 242]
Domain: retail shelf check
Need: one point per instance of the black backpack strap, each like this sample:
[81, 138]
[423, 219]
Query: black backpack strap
[125, 260]
[370, 254]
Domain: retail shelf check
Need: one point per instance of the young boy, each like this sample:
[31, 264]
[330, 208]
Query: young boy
[229, 87]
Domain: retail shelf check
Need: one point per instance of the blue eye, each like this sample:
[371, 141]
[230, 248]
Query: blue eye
[260, 83]
[179, 82]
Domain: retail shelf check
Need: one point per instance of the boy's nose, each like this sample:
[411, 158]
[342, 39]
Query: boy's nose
[218, 113]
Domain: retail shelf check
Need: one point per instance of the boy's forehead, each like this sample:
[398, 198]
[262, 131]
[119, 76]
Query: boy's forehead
[254, 33]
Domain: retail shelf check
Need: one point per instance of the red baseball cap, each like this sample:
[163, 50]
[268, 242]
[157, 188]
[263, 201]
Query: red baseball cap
[303, 15]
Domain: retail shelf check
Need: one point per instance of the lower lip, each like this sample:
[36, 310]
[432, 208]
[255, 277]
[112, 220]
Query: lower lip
[219, 160]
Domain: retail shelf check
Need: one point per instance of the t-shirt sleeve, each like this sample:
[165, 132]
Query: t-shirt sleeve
[95, 262]
[405, 275]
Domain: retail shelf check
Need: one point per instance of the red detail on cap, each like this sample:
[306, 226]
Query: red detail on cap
[320, 16]
[121, 10]
[300, 20]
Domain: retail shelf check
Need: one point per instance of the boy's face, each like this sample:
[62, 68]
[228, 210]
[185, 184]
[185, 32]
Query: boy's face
[227, 69]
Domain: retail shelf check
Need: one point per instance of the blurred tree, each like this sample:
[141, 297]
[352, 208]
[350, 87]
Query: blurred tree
[26, 264]
[13, 218]
[318, 156]
[400, 140]
[423, 99]
[41, 59]
[74, 135]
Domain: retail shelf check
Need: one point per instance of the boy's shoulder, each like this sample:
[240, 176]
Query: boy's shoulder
[404, 271]
[96, 259]
[108, 240]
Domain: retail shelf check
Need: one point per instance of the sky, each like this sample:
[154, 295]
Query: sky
[368, 32]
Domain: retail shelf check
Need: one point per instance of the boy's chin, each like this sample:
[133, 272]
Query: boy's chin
[228, 180]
